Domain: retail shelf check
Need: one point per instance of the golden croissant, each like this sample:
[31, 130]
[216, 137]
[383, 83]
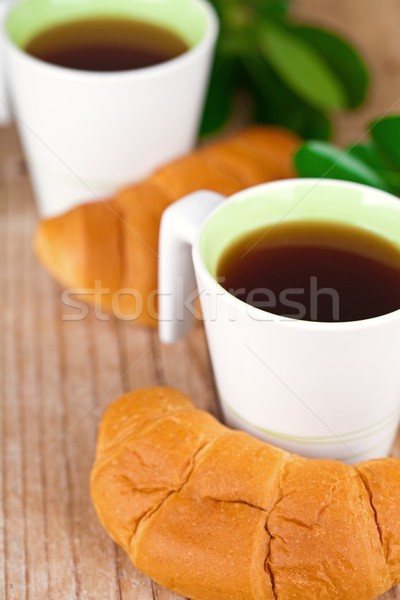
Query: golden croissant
[215, 514]
[112, 246]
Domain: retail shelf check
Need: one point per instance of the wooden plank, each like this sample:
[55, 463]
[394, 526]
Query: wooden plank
[140, 347]
[37, 574]
[14, 420]
[3, 483]
[186, 366]
[85, 389]
[54, 465]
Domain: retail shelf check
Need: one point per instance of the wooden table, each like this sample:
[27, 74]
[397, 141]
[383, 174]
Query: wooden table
[58, 375]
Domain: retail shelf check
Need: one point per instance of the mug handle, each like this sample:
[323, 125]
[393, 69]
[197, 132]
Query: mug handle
[180, 224]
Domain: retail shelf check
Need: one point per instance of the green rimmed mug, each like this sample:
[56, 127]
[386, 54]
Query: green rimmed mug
[328, 390]
[85, 134]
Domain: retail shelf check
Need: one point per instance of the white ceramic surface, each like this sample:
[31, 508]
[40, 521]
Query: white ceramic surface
[5, 115]
[318, 389]
[87, 134]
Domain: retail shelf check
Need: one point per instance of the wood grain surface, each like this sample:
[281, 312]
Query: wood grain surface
[58, 374]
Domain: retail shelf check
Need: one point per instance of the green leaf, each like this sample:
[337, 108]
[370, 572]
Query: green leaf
[220, 98]
[385, 134]
[342, 58]
[265, 84]
[368, 154]
[371, 157]
[299, 117]
[318, 159]
[315, 124]
[302, 68]
[276, 104]
[271, 7]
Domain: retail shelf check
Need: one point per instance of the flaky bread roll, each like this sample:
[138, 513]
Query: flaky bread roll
[215, 514]
[115, 242]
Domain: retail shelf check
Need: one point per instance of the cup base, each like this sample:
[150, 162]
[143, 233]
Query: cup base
[376, 445]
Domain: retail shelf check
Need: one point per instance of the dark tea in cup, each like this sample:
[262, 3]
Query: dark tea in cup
[314, 271]
[106, 44]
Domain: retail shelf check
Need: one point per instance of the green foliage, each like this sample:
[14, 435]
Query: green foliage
[296, 75]
[343, 60]
[297, 63]
[320, 159]
[385, 134]
[274, 102]
[376, 163]
[220, 99]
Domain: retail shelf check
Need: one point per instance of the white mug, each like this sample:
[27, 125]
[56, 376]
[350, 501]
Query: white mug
[5, 115]
[85, 134]
[329, 390]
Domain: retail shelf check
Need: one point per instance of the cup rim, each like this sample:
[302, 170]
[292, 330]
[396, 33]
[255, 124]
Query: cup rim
[264, 316]
[191, 54]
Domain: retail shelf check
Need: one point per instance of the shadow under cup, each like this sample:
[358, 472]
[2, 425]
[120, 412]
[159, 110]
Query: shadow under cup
[328, 390]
